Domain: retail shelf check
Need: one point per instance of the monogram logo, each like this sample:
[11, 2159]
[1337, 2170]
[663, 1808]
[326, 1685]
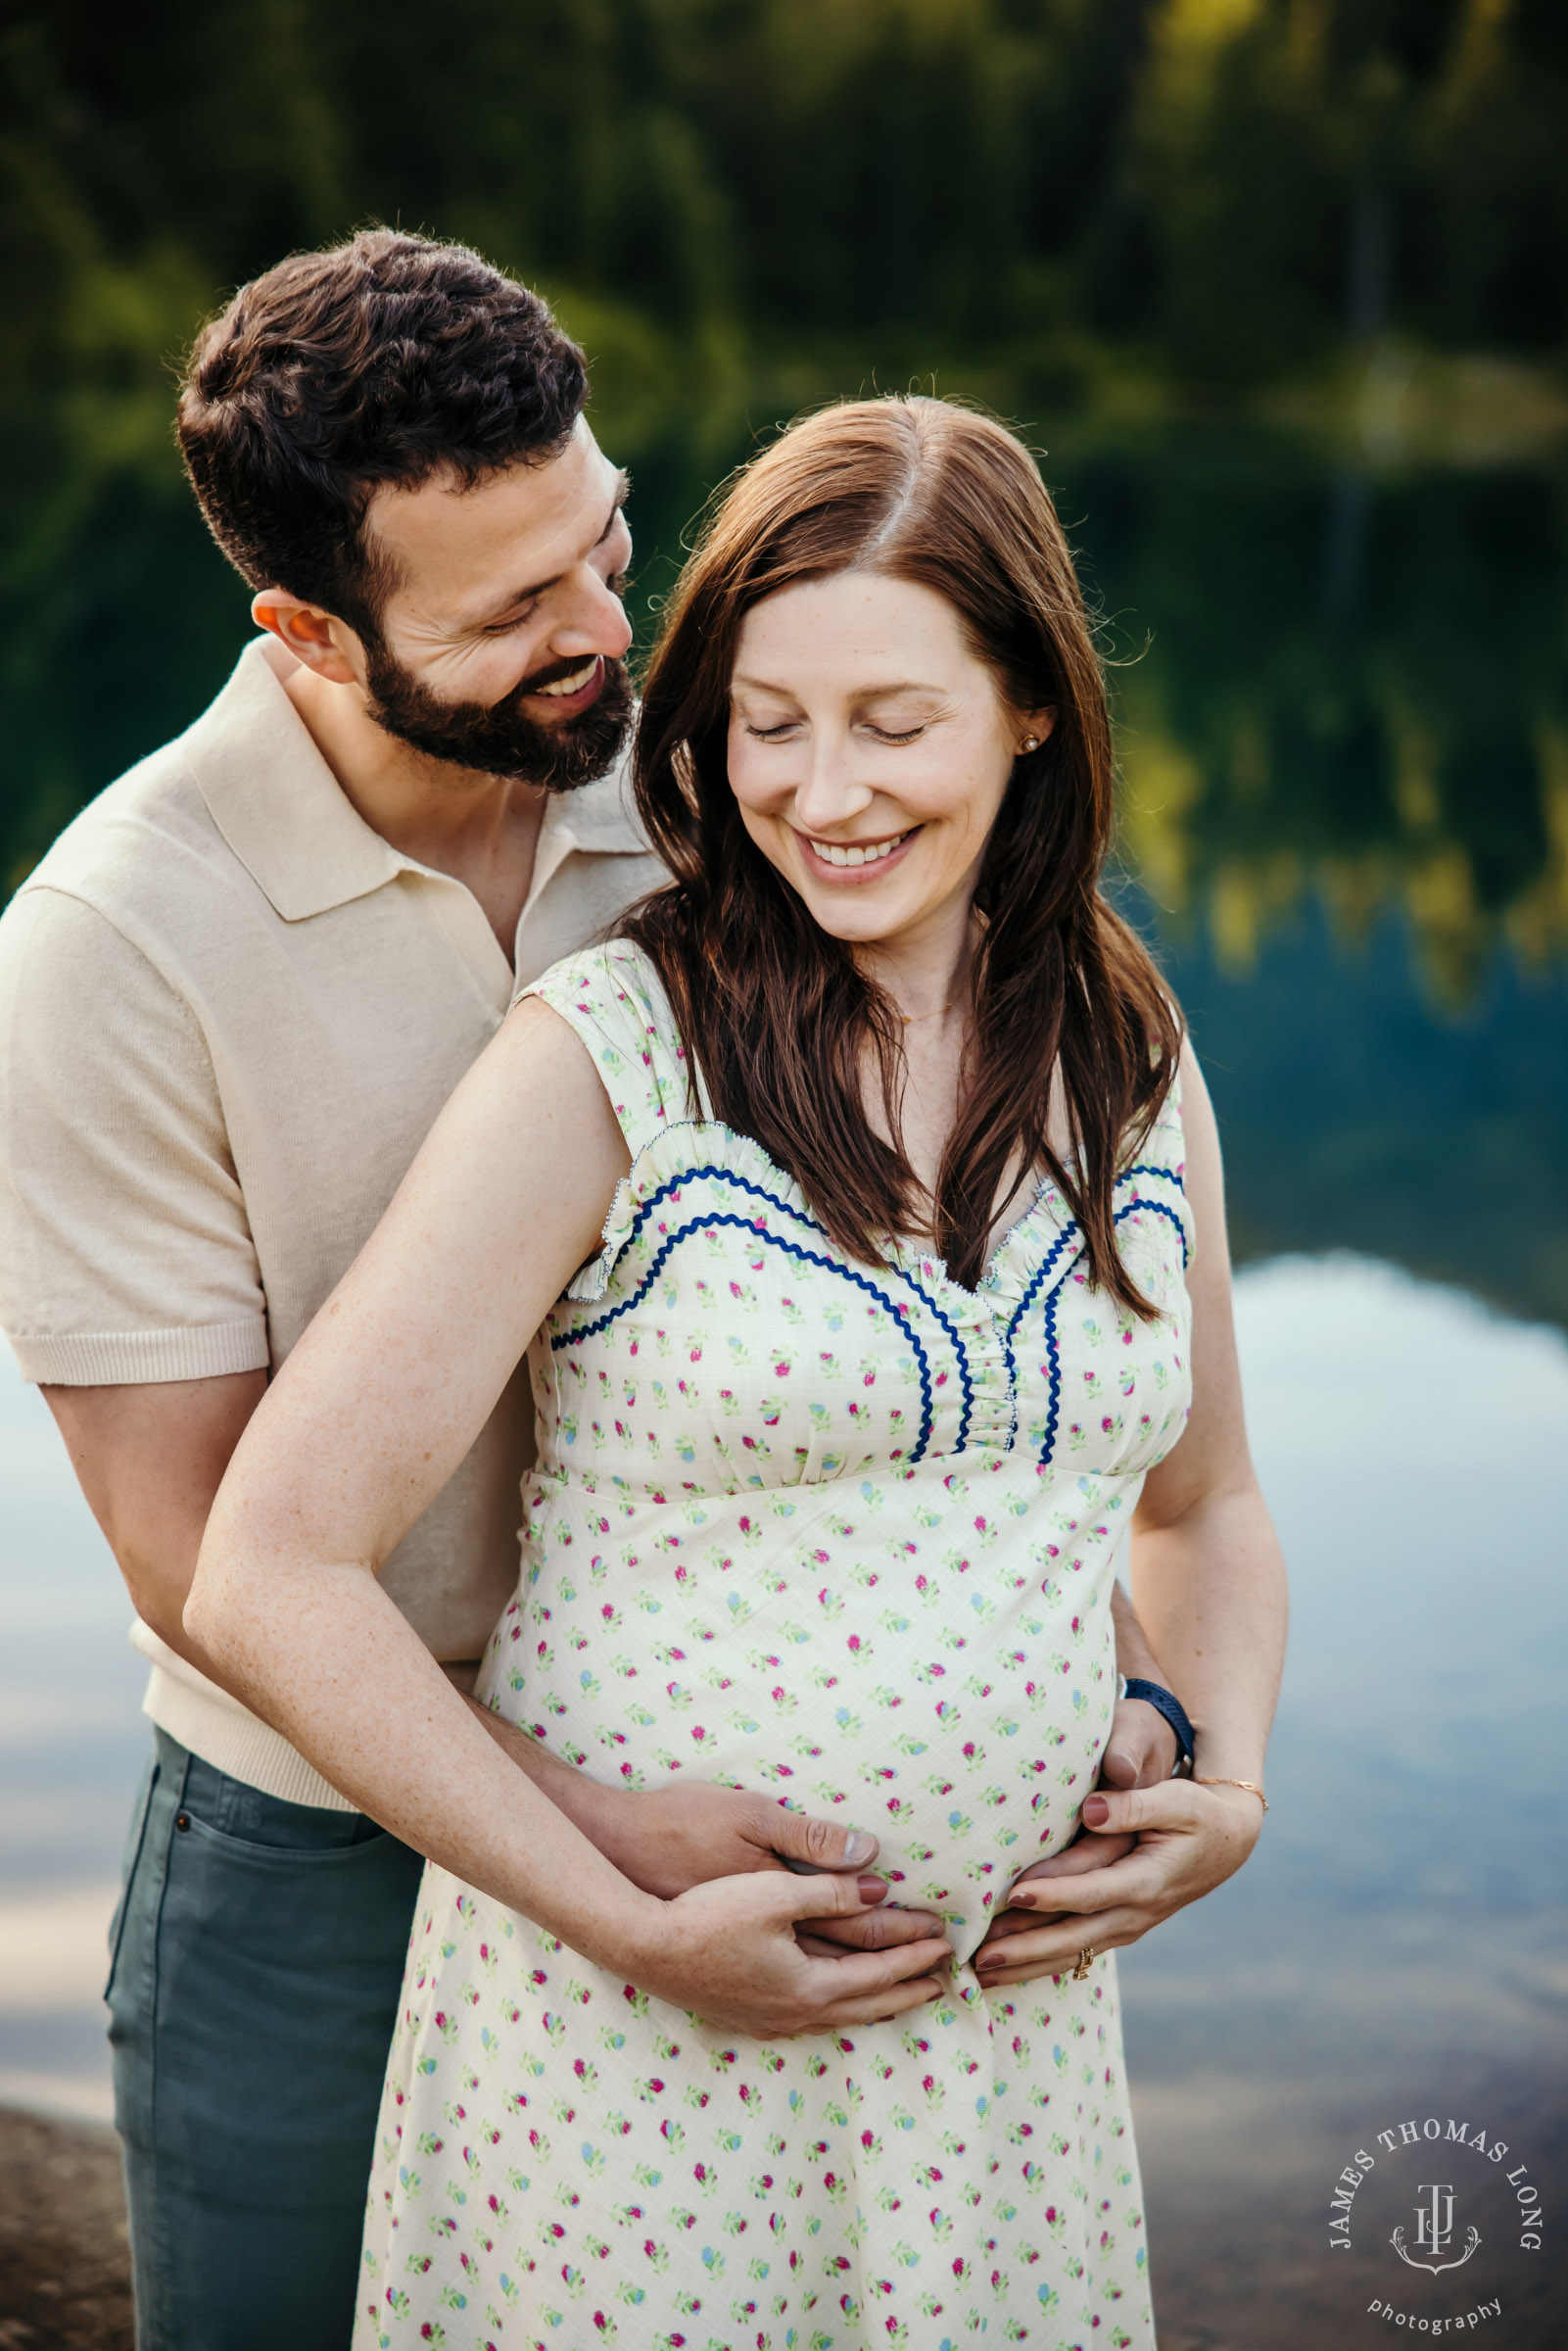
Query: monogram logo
[1434, 2233]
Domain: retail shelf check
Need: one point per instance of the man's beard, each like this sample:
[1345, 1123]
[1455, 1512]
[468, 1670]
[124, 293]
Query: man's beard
[499, 739]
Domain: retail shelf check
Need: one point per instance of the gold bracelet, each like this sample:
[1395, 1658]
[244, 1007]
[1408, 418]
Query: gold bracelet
[1250, 1787]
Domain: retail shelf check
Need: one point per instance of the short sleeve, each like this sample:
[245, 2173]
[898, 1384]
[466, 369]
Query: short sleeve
[125, 1252]
[612, 997]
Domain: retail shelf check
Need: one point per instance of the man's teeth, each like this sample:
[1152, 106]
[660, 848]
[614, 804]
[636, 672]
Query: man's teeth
[575, 683]
[831, 853]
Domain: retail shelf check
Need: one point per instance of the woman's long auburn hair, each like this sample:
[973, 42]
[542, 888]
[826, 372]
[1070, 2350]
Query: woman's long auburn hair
[776, 1016]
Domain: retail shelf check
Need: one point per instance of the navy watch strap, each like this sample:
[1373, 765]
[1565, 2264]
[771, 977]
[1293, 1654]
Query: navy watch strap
[1166, 1703]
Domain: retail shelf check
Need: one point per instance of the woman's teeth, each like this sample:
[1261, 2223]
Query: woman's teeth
[832, 853]
[575, 683]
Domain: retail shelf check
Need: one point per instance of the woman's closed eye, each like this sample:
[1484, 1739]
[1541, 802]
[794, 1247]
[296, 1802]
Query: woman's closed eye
[788, 725]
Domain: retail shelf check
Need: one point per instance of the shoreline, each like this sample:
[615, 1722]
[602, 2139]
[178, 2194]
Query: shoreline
[65, 2270]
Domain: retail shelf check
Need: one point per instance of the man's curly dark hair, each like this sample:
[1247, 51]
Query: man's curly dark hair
[387, 358]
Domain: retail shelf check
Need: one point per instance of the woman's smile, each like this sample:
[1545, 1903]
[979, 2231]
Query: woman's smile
[853, 863]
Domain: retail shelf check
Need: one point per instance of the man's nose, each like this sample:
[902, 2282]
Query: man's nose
[597, 622]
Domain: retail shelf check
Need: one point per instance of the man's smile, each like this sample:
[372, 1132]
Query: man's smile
[573, 692]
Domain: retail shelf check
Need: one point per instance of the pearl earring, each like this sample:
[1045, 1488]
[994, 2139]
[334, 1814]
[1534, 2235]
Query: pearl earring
[1032, 742]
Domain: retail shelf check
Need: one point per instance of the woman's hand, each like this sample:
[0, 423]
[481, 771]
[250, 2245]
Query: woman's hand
[1190, 1839]
[727, 1952]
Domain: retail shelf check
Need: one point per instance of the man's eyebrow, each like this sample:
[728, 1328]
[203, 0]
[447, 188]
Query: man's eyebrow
[520, 595]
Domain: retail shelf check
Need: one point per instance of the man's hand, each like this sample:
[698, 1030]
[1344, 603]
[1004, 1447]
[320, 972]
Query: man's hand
[1147, 1852]
[669, 1839]
[1141, 1750]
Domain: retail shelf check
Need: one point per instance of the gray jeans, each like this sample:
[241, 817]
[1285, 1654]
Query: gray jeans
[256, 1961]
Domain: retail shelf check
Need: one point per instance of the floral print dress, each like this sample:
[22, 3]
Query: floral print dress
[844, 1533]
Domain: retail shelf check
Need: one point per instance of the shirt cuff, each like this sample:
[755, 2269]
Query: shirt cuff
[113, 1358]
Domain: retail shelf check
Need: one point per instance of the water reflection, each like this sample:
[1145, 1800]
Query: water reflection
[1351, 688]
[1395, 1946]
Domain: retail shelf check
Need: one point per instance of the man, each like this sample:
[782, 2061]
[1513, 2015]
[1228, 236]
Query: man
[232, 999]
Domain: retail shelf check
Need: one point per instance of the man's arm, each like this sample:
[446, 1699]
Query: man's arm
[150, 1457]
[1142, 1747]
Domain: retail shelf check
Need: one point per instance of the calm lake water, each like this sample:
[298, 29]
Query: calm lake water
[1344, 701]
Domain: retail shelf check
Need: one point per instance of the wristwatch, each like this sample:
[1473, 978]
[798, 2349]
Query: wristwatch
[1166, 1703]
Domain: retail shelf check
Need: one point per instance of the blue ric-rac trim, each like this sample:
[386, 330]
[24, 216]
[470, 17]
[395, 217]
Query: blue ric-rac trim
[787, 1208]
[1053, 1357]
[1072, 1231]
[1053, 1370]
[1068, 1234]
[1168, 1174]
[1159, 1208]
[807, 1257]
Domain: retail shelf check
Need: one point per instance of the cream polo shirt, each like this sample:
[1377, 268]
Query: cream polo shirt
[230, 1012]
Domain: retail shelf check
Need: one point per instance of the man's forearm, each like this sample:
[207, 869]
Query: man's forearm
[1134, 1657]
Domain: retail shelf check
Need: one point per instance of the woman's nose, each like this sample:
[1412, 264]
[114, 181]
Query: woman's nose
[828, 795]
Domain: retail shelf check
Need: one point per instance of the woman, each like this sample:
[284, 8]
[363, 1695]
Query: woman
[841, 1206]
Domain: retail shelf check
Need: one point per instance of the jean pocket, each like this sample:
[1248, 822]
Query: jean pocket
[133, 1853]
[350, 1838]
[232, 1905]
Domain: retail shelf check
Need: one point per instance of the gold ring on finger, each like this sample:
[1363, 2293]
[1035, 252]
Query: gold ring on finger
[1086, 1958]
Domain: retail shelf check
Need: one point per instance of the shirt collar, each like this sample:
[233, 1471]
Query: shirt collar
[290, 824]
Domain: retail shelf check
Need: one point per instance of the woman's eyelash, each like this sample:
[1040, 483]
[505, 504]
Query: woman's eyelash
[882, 734]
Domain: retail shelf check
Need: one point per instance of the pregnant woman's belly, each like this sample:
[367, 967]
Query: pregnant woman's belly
[928, 1656]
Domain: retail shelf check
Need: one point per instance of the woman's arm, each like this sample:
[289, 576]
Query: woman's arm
[367, 1420]
[1209, 1585]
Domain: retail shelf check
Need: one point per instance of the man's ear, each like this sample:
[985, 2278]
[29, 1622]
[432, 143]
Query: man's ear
[312, 633]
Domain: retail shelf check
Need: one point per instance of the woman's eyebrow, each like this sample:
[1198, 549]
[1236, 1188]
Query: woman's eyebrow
[867, 694]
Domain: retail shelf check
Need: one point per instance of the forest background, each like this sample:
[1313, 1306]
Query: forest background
[1281, 287]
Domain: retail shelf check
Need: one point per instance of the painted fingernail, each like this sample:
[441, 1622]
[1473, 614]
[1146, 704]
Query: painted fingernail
[858, 1848]
[871, 1888]
[1096, 1811]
